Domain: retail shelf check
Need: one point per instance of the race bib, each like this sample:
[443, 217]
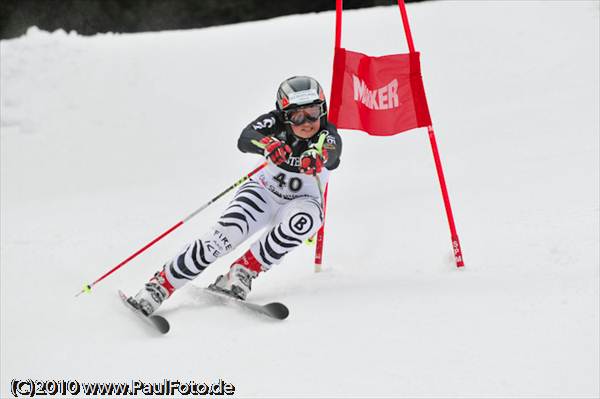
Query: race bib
[289, 185]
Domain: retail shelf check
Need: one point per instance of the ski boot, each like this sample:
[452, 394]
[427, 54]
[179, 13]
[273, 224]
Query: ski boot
[153, 294]
[238, 281]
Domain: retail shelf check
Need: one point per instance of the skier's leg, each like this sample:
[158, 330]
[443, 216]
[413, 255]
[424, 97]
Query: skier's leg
[250, 210]
[296, 221]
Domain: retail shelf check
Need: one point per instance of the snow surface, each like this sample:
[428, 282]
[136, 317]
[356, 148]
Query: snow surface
[108, 140]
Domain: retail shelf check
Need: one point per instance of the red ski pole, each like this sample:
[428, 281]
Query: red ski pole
[88, 287]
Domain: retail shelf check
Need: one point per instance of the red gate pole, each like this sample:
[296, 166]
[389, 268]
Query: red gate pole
[321, 232]
[440, 172]
[436, 155]
[321, 235]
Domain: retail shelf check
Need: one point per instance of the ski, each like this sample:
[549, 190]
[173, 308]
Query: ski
[274, 310]
[158, 322]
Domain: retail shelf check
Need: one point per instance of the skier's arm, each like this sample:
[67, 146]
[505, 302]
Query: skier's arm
[260, 128]
[333, 145]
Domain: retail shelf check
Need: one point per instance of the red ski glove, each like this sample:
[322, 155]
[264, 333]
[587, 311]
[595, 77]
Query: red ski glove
[275, 150]
[311, 161]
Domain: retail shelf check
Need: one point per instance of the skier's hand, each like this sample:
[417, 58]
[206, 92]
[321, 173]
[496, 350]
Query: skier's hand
[275, 150]
[312, 161]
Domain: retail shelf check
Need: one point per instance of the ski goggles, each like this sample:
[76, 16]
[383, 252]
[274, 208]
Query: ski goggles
[298, 116]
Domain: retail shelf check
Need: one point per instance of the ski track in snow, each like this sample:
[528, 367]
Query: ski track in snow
[108, 140]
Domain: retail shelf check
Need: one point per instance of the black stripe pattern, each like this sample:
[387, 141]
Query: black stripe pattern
[245, 209]
[251, 209]
[189, 263]
[248, 212]
[289, 233]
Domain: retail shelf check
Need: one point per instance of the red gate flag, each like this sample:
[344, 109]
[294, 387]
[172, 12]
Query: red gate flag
[382, 96]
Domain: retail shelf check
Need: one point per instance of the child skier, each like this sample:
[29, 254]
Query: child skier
[284, 198]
